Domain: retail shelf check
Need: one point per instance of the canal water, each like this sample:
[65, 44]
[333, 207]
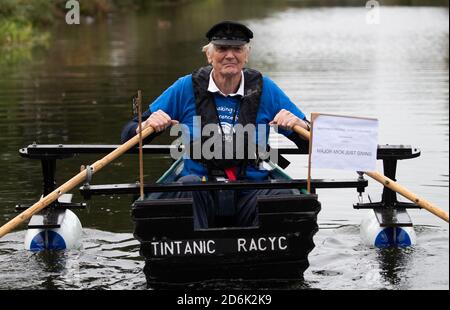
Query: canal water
[326, 59]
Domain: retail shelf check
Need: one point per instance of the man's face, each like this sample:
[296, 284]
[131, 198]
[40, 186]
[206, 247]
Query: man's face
[228, 60]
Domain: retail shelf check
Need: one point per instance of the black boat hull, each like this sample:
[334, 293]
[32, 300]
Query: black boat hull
[277, 248]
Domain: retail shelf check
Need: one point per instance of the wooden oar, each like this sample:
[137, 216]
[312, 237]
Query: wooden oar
[392, 185]
[77, 179]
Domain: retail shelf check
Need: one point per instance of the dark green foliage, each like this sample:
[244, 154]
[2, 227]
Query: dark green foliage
[38, 12]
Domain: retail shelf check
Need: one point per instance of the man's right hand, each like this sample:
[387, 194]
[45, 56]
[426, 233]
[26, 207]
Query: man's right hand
[159, 121]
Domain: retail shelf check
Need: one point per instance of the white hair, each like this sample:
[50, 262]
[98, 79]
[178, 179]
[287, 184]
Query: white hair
[208, 48]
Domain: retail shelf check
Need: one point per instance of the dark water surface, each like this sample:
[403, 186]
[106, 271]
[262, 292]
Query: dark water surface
[326, 60]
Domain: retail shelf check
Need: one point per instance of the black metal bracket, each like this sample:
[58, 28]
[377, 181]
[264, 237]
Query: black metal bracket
[57, 205]
[133, 188]
[48, 154]
[52, 216]
[389, 211]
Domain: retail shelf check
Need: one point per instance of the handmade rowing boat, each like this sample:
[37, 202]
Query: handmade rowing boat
[277, 248]
[174, 251]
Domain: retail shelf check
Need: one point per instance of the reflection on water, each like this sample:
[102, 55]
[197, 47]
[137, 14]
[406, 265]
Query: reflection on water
[325, 59]
[339, 257]
[107, 261]
[393, 263]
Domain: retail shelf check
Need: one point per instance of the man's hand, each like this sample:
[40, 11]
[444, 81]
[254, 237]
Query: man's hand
[159, 121]
[287, 120]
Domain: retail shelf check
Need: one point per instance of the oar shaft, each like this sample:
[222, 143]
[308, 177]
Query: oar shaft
[408, 194]
[69, 185]
[392, 185]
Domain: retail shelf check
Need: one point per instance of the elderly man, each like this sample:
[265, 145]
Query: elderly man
[224, 94]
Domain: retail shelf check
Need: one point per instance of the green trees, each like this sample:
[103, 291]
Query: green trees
[24, 23]
[18, 19]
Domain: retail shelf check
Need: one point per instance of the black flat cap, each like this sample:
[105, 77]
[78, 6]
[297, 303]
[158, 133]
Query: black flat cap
[229, 33]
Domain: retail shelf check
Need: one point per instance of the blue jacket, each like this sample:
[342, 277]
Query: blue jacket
[178, 102]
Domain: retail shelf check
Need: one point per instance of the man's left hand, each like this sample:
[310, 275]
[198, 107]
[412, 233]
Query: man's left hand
[287, 120]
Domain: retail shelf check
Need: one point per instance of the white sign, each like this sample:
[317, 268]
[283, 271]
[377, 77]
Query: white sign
[346, 143]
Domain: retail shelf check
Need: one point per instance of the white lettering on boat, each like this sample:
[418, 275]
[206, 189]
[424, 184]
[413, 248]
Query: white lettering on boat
[168, 248]
[262, 244]
[219, 246]
[211, 250]
[191, 247]
[187, 249]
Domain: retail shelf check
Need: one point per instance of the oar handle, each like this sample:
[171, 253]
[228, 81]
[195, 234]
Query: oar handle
[74, 181]
[302, 132]
[392, 185]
